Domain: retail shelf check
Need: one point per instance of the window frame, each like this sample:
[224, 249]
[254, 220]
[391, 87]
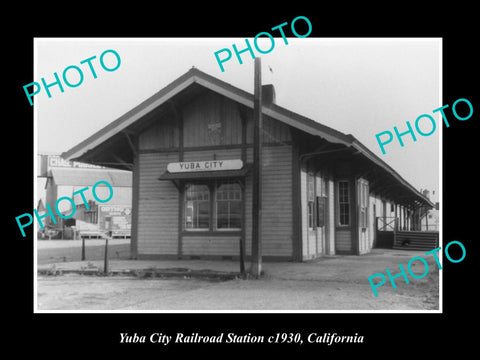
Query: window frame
[363, 203]
[240, 201]
[348, 203]
[185, 228]
[311, 221]
[320, 200]
[213, 229]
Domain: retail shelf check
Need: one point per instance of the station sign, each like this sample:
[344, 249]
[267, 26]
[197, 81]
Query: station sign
[209, 165]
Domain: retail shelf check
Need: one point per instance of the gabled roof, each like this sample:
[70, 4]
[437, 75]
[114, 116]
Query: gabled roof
[89, 177]
[84, 150]
[195, 76]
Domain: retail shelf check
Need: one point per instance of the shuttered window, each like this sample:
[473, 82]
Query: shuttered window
[363, 203]
[310, 200]
[321, 201]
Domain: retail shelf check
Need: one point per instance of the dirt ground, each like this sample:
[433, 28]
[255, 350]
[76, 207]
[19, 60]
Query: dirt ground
[52, 251]
[330, 283]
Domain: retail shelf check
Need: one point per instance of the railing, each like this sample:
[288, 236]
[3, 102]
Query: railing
[430, 227]
[390, 235]
[394, 224]
[386, 223]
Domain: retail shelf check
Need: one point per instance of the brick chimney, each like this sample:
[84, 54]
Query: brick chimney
[268, 94]
[426, 193]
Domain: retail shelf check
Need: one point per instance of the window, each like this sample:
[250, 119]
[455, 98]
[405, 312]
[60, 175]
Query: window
[213, 206]
[363, 203]
[321, 205]
[197, 207]
[343, 203]
[229, 206]
[310, 199]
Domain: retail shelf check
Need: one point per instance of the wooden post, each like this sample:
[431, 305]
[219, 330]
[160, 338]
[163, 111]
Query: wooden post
[395, 226]
[242, 257]
[426, 220]
[256, 267]
[105, 260]
[83, 248]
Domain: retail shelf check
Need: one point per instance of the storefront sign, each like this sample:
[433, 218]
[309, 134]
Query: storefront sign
[55, 161]
[210, 165]
[48, 162]
[115, 217]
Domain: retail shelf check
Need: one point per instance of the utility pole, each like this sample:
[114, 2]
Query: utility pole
[256, 267]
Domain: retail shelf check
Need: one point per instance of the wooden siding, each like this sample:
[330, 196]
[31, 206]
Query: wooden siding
[277, 229]
[163, 133]
[277, 201]
[211, 245]
[343, 241]
[158, 206]
[220, 154]
[274, 131]
[211, 119]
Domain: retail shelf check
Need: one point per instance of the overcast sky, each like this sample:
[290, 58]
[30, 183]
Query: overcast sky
[358, 86]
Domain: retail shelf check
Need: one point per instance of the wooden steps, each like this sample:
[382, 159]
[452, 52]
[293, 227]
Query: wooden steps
[416, 240]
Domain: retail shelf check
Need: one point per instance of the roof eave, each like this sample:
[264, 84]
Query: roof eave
[375, 159]
[277, 112]
[211, 83]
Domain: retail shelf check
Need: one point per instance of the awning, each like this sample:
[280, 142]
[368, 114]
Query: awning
[206, 175]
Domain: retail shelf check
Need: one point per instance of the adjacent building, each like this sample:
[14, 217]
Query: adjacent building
[62, 178]
[431, 220]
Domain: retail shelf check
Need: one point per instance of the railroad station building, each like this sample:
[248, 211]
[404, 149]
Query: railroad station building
[190, 150]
